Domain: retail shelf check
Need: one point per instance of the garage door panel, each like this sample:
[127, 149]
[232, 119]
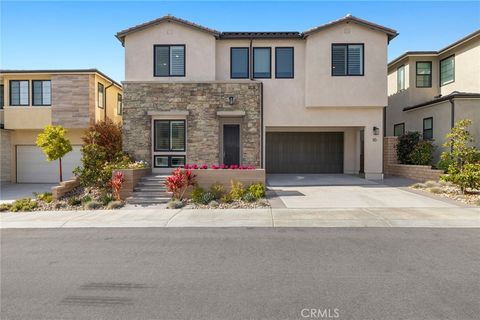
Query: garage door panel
[32, 166]
[304, 152]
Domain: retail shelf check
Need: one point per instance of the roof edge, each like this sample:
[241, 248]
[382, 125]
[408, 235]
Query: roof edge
[452, 95]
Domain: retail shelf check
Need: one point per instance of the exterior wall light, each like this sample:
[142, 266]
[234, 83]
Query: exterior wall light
[231, 100]
[376, 131]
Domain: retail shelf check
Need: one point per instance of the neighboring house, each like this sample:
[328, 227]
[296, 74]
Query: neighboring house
[291, 102]
[33, 99]
[430, 90]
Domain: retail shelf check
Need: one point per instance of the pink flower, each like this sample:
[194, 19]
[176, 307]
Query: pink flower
[204, 166]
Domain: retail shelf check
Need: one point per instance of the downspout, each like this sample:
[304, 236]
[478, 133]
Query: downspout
[105, 101]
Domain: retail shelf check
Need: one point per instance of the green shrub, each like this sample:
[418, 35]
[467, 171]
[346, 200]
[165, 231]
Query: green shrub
[406, 143]
[249, 197]
[25, 204]
[106, 197]
[257, 189]
[46, 197]
[114, 205]
[93, 205]
[218, 190]
[226, 198]
[422, 153]
[445, 162]
[468, 177]
[419, 186]
[86, 199]
[436, 190]
[431, 183]
[175, 204]
[5, 207]
[197, 195]
[207, 197]
[74, 201]
[237, 190]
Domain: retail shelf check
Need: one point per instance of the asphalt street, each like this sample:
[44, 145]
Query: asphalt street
[240, 273]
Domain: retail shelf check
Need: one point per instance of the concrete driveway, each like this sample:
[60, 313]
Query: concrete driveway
[347, 191]
[10, 192]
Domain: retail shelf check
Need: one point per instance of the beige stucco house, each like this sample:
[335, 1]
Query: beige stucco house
[33, 99]
[291, 102]
[428, 91]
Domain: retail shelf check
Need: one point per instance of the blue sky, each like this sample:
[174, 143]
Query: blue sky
[80, 34]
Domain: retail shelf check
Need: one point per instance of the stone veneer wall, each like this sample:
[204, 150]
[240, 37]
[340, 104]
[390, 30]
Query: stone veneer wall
[202, 101]
[5, 156]
[71, 100]
[414, 172]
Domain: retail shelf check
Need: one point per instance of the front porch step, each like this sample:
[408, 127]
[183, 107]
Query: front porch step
[150, 189]
[151, 194]
[149, 183]
[154, 178]
[147, 200]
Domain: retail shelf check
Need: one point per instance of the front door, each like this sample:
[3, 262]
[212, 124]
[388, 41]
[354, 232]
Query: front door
[231, 144]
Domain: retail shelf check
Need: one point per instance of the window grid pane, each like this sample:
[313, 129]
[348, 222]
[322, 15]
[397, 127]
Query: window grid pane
[2, 99]
[19, 93]
[239, 63]
[162, 56]
[261, 63]
[162, 135]
[355, 60]
[447, 70]
[177, 59]
[284, 62]
[339, 60]
[401, 78]
[177, 135]
[399, 129]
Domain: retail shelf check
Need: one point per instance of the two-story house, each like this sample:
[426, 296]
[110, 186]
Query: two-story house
[291, 102]
[33, 99]
[428, 91]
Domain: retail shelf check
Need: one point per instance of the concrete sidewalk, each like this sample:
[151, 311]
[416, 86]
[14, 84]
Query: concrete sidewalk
[347, 217]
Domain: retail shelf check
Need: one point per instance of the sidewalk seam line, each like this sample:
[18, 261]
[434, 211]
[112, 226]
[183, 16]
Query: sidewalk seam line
[171, 218]
[82, 215]
[378, 217]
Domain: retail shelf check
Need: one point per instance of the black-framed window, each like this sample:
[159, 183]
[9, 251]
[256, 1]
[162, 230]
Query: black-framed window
[169, 60]
[424, 74]
[447, 70]
[262, 62]
[169, 135]
[119, 104]
[348, 59]
[428, 128]
[168, 161]
[399, 129]
[41, 92]
[401, 78]
[2, 96]
[100, 95]
[284, 63]
[239, 63]
[19, 93]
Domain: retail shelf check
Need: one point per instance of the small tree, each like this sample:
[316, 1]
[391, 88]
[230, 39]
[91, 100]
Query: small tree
[405, 145]
[54, 144]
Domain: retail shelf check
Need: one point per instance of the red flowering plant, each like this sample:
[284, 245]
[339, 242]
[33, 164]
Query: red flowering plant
[116, 184]
[179, 181]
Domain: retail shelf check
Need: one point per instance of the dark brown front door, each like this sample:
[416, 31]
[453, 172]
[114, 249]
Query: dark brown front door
[231, 144]
[304, 152]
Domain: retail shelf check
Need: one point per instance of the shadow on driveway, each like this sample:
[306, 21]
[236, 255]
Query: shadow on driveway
[10, 192]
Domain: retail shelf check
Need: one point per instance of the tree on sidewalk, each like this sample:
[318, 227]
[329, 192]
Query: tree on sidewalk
[54, 144]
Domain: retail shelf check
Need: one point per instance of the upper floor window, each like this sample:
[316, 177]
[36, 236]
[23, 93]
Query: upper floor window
[19, 92]
[284, 62]
[2, 99]
[399, 129]
[262, 63]
[428, 128]
[101, 95]
[239, 63]
[119, 104]
[169, 61]
[424, 74]
[169, 135]
[42, 92]
[401, 78]
[347, 59]
[447, 70]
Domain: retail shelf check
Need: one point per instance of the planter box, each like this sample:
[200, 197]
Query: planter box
[206, 177]
[131, 176]
[414, 172]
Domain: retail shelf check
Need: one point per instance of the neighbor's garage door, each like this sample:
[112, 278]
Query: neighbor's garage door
[304, 152]
[32, 166]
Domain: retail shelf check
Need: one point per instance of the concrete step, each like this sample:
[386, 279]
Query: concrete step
[147, 200]
[151, 194]
[154, 178]
[149, 183]
[150, 189]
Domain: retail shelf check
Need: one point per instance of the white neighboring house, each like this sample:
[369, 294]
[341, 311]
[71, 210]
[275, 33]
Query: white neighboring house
[428, 91]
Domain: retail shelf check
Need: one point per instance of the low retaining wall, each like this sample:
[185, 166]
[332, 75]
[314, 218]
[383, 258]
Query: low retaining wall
[418, 173]
[64, 187]
[414, 172]
[131, 176]
[205, 178]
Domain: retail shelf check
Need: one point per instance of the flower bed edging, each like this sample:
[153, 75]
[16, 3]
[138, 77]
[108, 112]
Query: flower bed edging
[132, 177]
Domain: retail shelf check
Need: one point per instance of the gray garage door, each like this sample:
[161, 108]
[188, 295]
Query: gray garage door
[304, 152]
